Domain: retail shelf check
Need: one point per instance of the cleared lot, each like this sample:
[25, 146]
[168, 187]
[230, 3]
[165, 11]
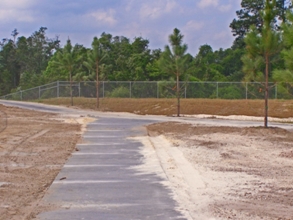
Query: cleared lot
[277, 108]
[241, 173]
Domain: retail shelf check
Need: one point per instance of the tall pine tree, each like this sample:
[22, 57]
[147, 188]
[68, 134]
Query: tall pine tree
[174, 60]
[286, 75]
[250, 14]
[68, 59]
[261, 45]
[95, 57]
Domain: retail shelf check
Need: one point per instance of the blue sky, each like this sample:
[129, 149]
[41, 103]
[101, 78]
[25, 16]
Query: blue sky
[200, 21]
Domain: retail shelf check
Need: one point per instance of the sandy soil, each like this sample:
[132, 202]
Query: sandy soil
[33, 148]
[214, 172]
[226, 172]
[277, 108]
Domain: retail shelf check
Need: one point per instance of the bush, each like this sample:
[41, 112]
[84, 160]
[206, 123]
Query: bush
[120, 92]
[167, 89]
[231, 92]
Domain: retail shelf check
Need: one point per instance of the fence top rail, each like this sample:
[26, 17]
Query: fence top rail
[67, 82]
[52, 87]
[76, 83]
[154, 82]
[49, 84]
[35, 88]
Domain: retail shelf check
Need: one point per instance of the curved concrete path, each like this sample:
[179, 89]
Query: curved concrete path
[99, 182]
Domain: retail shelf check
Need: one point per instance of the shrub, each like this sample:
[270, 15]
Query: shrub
[120, 92]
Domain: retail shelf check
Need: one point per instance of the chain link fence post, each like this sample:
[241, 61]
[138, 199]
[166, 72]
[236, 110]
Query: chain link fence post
[217, 90]
[79, 89]
[57, 89]
[246, 90]
[276, 91]
[129, 89]
[157, 89]
[103, 89]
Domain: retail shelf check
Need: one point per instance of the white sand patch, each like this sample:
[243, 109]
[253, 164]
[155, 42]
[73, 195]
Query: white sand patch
[77, 119]
[194, 187]
[241, 117]
[185, 182]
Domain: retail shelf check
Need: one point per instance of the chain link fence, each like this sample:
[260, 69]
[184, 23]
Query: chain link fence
[160, 89]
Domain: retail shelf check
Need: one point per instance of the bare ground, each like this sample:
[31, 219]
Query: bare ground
[215, 172]
[33, 149]
[277, 108]
[238, 173]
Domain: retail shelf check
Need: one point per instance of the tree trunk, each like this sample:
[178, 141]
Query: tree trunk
[178, 96]
[71, 95]
[266, 91]
[97, 84]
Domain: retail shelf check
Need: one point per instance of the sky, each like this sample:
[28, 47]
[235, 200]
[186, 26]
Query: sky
[200, 21]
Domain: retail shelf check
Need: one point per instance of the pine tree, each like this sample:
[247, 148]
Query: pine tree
[250, 14]
[261, 45]
[174, 60]
[286, 75]
[95, 57]
[68, 59]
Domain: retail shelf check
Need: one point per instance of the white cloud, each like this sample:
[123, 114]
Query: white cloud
[16, 10]
[225, 8]
[208, 3]
[106, 17]
[16, 4]
[193, 25]
[15, 15]
[132, 29]
[214, 3]
[191, 32]
[129, 5]
[157, 9]
[221, 35]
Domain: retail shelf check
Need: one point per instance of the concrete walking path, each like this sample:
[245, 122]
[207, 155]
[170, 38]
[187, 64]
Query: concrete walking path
[99, 182]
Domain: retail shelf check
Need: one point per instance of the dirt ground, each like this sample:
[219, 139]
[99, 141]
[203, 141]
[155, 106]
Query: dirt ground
[215, 172]
[237, 173]
[277, 108]
[33, 148]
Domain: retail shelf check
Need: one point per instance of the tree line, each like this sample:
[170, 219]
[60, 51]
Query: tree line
[27, 62]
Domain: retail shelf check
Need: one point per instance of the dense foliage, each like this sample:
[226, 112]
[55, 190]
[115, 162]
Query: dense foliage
[35, 60]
